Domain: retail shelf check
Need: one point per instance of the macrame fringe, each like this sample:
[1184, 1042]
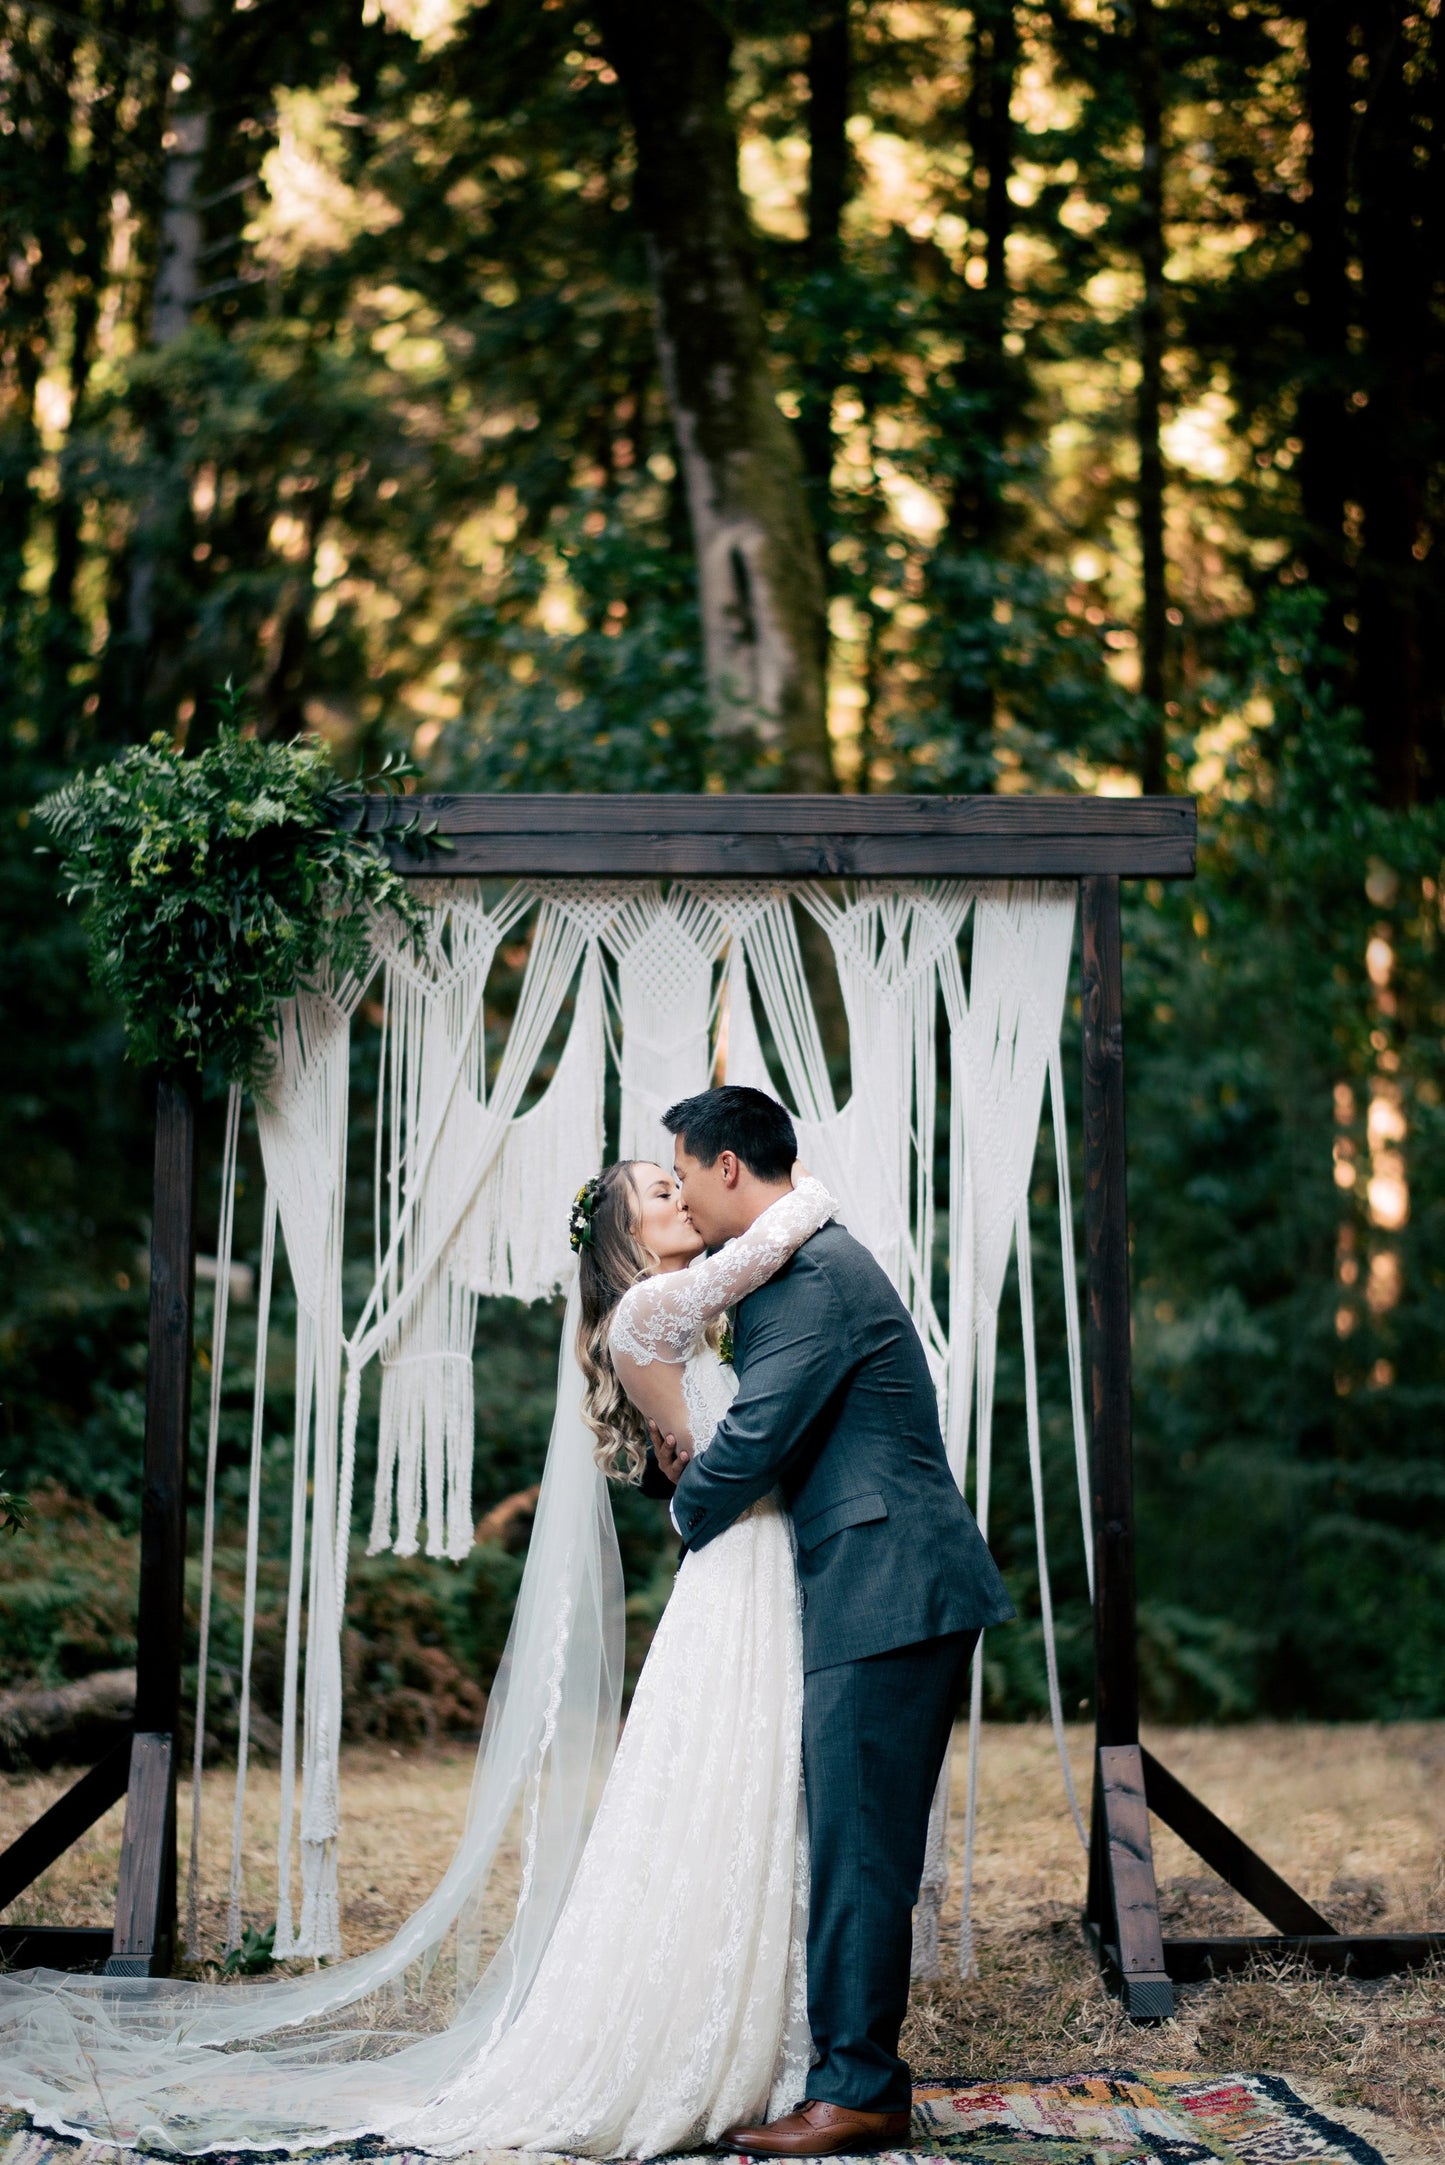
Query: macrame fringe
[664, 951]
[471, 1196]
[235, 1922]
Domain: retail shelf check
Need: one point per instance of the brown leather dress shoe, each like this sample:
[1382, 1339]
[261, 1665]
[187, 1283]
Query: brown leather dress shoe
[817, 2129]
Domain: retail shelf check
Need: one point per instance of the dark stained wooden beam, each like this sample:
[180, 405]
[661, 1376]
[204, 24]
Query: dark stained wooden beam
[1135, 1949]
[1106, 1239]
[145, 1917]
[54, 1946]
[1228, 1854]
[813, 837]
[168, 1412]
[145, 1896]
[70, 1816]
[1364, 1954]
[1123, 1900]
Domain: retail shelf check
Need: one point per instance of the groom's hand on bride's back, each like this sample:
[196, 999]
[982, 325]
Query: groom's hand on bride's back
[665, 1449]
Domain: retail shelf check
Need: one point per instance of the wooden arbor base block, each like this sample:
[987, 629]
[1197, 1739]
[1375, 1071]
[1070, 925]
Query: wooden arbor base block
[1123, 1910]
[145, 1900]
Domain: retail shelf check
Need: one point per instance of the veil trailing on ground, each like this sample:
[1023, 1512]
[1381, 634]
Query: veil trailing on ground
[134, 2060]
[476, 1165]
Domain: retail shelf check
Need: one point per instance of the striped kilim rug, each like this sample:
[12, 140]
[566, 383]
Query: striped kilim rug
[1104, 2119]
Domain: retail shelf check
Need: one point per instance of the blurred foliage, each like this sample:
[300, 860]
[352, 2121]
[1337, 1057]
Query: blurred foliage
[410, 477]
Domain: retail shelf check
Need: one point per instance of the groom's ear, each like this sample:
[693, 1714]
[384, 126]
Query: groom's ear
[729, 1166]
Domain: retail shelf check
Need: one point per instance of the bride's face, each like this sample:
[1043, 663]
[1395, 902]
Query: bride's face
[662, 1223]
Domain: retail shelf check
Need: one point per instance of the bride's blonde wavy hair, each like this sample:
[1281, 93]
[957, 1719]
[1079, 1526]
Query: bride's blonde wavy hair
[610, 1259]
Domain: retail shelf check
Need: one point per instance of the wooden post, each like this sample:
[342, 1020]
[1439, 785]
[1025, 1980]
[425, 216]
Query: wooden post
[146, 1897]
[1123, 1905]
[1106, 1226]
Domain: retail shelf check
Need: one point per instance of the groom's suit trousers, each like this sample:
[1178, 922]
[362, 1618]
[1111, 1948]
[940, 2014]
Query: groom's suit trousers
[874, 1735]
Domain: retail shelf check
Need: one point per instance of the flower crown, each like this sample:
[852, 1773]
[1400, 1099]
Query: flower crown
[579, 1223]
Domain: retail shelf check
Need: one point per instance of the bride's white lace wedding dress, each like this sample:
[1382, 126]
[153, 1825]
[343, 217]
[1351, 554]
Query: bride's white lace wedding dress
[667, 2000]
[671, 2001]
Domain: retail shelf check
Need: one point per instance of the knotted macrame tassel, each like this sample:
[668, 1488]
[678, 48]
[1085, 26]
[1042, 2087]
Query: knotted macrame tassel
[933, 1890]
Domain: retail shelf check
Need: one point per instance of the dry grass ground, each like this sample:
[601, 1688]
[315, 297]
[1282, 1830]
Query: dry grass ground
[1355, 1816]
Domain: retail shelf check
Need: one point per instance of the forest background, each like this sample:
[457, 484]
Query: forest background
[651, 395]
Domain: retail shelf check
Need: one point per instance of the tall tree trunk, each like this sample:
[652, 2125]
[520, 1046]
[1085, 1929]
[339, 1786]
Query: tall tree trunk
[64, 642]
[977, 507]
[829, 82]
[34, 183]
[998, 23]
[976, 503]
[1324, 425]
[763, 605]
[1149, 405]
[1400, 705]
[178, 258]
[1431, 196]
[151, 668]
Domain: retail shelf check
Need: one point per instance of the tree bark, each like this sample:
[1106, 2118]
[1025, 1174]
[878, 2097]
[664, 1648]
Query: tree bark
[999, 25]
[977, 508]
[1399, 648]
[173, 297]
[763, 605]
[64, 640]
[976, 504]
[829, 83]
[34, 177]
[1323, 408]
[1149, 405]
[178, 258]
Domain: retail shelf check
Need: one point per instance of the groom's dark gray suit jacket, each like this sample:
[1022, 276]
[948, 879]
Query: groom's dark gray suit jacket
[836, 1408]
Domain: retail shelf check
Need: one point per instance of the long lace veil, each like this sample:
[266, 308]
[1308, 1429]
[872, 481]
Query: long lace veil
[356, 2048]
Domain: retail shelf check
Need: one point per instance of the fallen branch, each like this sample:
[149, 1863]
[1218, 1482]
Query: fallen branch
[510, 1521]
[43, 1726]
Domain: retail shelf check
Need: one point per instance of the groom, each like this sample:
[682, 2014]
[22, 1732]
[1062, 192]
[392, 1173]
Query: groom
[835, 1407]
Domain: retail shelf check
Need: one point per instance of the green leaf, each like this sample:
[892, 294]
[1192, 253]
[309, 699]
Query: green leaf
[213, 886]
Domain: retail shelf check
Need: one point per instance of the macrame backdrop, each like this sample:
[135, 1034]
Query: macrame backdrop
[473, 1183]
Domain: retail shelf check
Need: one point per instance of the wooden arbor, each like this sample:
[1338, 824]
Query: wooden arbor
[1096, 841]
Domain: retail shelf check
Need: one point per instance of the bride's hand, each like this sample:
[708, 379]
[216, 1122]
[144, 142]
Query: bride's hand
[800, 1172]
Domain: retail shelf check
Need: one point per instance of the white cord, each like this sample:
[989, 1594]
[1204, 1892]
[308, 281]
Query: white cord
[234, 1920]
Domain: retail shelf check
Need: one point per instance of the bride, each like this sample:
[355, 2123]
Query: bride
[671, 2002]
[668, 2002]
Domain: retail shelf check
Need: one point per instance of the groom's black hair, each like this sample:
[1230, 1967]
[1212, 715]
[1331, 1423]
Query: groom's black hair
[752, 1125]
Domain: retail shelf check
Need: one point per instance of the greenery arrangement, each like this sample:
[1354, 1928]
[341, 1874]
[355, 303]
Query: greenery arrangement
[14, 1510]
[215, 885]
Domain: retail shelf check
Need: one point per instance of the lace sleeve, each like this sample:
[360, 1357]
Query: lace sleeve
[658, 1319]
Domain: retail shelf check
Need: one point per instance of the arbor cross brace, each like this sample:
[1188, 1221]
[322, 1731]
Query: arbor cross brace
[1094, 840]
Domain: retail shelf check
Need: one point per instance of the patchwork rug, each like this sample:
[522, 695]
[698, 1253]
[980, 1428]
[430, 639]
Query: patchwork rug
[1161, 2118]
